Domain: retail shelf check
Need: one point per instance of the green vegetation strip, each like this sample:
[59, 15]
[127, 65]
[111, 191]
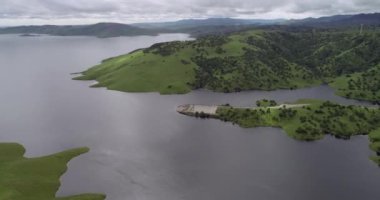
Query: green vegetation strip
[35, 178]
[313, 121]
[249, 60]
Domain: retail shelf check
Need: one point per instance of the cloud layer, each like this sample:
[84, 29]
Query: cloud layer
[127, 11]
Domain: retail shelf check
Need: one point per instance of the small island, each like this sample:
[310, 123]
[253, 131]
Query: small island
[306, 120]
[24, 178]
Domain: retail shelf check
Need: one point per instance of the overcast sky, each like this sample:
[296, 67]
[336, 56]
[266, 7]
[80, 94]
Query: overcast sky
[17, 12]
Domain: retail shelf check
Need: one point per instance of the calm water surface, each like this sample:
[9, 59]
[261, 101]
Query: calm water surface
[141, 149]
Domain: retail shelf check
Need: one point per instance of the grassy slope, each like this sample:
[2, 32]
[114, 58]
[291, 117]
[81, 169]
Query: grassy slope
[35, 178]
[143, 72]
[312, 122]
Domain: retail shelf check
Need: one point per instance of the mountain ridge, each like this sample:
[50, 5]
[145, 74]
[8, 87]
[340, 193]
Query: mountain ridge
[195, 27]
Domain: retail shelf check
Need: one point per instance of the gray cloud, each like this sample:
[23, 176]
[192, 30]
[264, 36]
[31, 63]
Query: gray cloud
[84, 11]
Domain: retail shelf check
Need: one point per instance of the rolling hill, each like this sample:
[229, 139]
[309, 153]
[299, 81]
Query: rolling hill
[264, 59]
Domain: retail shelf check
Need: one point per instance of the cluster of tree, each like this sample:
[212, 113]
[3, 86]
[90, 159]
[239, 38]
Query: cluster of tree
[341, 121]
[311, 122]
[234, 74]
[265, 103]
[236, 115]
[287, 113]
[364, 85]
[326, 53]
[310, 130]
[282, 59]
[166, 48]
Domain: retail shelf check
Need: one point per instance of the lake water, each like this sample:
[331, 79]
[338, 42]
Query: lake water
[141, 149]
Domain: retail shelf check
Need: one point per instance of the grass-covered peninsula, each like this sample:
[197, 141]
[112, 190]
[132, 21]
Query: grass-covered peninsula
[306, 120]
[261, 59]
[24, 178]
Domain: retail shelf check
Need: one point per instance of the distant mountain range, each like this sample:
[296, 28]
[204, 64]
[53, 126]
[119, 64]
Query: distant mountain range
[99, 30]
[339, 20]
[194, 23]
[192, 26]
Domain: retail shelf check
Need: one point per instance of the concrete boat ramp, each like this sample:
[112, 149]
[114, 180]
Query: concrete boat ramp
[191, 109]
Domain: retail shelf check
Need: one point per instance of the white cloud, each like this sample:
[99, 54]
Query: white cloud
[15, 12]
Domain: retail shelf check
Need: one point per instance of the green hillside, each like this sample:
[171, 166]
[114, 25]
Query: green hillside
[255, 59]
[35, 178]
[362, 86]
